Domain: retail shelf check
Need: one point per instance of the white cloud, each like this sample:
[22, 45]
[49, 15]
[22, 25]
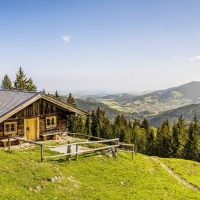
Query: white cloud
[176, 57]
[66, 38]
[196, 59]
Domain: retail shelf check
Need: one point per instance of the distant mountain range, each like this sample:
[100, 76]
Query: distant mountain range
[111, 113]
[156, 106]
[161, 100]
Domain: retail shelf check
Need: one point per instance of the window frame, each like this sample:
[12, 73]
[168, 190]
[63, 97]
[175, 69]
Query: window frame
[49, 121]
[10, 132]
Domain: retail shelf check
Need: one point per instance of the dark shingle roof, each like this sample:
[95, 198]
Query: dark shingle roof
[9, 99]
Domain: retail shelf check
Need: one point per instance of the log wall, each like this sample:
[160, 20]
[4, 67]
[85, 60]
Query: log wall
[42, 109]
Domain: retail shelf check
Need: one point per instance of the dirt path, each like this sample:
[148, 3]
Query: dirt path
[176, 176]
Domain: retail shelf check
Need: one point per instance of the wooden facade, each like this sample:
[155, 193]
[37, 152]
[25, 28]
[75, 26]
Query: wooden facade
[42, 114]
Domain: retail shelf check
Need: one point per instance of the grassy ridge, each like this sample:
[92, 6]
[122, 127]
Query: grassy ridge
[91, 177]
[186, 169]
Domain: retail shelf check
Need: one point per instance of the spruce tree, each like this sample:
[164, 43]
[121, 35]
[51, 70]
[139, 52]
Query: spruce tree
[151, 141]
[57, 96]
[30, 86]
[22, 83]
[94, 125]
[6, 83]
[139, 139]
[88, 125]
[136, 122]
[192, 147]
[106, 128]
[180, 138]
[72, 122]
[71, 100]
[164, 140]
[80, 127]
[122, 129]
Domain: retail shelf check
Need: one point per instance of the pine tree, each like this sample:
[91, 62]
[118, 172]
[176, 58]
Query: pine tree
[145, 125]
[101, 125]
[136, 122]
[57, 96]
[80, 127]
[106, 128]
[30, 86]
[6, 83]
[72, 123]
[192, 147]
[151, 141]
[164, 140]
[71, 100]
[22, 83]
[139, 139]
[180, 138]
[44, 91]
[94, 125]
[122, 129]
[88, 125]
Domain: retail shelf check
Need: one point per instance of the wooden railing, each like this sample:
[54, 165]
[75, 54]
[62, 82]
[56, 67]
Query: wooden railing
[122, 146]
[86, 136]
[30, 142]
[77, 144]
[114, 147]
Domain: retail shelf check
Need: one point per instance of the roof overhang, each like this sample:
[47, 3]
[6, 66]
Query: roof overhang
[57, 102]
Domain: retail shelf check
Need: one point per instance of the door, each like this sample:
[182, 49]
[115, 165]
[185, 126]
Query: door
[30, 127]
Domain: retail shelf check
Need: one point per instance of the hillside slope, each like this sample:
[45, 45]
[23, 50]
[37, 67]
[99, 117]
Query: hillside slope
[110, 112]
[157, 101]
[187, 112]
[93, 176]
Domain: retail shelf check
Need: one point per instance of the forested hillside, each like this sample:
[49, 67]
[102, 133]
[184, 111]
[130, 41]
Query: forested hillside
[110, 112]
[186, 111]
[155, 102]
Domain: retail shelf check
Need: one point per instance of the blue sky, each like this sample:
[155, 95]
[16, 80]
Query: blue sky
[101, 45]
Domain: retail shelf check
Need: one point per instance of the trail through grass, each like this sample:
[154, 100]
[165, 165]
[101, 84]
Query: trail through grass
[93, 176]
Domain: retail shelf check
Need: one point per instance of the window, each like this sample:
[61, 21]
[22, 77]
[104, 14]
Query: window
[51, 122]
[10, 128]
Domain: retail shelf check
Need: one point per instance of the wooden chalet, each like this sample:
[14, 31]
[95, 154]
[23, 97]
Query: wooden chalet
[32, 115]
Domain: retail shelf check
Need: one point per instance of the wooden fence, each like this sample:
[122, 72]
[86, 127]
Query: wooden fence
[114, 148]
[69, 151]
[30, 142]
[122, 146]
[85, 136]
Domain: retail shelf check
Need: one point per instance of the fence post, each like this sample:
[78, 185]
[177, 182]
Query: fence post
[133, 148]
[116, 147]
[42, 151]
[68, 150]
[76, 151]
[9, 143]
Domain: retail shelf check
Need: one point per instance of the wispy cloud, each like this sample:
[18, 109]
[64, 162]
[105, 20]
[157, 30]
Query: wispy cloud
[66, 38]
[196, 59]
[176, 56]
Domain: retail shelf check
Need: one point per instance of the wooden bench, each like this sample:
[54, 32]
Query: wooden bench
[54, 132]
[5, 141]
[56, 135]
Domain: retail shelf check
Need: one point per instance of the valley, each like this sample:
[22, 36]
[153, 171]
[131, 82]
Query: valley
[155, 106]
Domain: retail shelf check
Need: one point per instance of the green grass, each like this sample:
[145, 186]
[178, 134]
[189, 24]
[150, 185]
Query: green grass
[93, 177]
[186, 169]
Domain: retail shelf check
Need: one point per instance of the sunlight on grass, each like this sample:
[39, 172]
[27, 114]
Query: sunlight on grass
[93, 176]
[186, 169]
